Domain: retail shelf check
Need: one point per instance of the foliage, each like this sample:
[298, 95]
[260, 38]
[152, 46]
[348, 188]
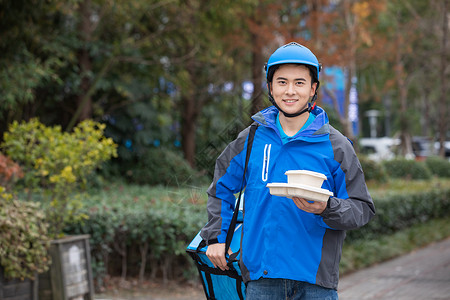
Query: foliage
[166, 220]
[22, 70]
[438, 166]
[121, 55]
[162, 166]
[373, 170]
[58, 163]
[131, 223]
[407, 169]
[397, 211]
[10, 171]
[24, 238]
[137, 128]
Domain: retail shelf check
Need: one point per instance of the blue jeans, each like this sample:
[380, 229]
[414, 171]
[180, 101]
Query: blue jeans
[273, 289]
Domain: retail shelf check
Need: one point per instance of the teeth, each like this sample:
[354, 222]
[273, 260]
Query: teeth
[290, 101]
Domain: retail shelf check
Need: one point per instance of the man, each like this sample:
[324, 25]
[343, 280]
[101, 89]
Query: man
[291, 248]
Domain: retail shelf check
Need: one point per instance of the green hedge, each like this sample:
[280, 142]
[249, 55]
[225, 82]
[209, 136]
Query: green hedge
[438, 166]
[148, 242]
[161, 166]
[373, 170]
[399, 211]
[407, 168]
[151, 241]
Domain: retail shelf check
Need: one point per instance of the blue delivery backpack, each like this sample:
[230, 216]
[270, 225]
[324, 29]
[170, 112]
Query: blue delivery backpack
[224, 284]
[218, 284]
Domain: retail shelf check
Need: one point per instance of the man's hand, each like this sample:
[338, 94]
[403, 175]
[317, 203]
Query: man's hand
[216, 254]
[315, 207]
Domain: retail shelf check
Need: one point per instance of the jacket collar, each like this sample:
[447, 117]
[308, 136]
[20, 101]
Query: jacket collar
[267, 117]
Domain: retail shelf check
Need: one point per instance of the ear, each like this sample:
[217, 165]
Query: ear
[268, 88]
[313, 89]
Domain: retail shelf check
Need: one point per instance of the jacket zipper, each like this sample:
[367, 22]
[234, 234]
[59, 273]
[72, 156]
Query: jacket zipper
[266, 161]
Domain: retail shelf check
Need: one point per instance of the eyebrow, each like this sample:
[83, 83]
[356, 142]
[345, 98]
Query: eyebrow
[296, 79]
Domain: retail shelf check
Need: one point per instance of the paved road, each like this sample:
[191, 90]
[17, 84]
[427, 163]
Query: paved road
[421, 275]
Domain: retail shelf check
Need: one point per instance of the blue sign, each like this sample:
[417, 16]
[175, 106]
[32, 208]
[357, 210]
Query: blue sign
[333, 94]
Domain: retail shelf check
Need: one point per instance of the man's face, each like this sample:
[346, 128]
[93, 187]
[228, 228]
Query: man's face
[291, 87]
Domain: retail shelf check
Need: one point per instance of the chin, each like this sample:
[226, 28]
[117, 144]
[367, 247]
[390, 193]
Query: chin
[291, 111]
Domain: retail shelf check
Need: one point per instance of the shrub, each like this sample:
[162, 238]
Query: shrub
[399, 211]
[23, 238]
[162, 166]
[56, 163]
[152, 229]
[150, 239]
[408, 169]
[438, 166]
[373, 170]
[10, 172]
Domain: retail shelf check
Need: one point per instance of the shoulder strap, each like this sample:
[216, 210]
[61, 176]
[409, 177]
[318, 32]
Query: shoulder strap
[232, 227]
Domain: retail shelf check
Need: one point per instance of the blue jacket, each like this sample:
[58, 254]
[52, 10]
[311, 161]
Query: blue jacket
[279, 240]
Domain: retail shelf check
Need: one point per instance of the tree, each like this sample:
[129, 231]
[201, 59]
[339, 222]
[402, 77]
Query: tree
[339, 32]
[206, 60]
[417, 61]
[443, 103]
[347, 37]
[25, 62]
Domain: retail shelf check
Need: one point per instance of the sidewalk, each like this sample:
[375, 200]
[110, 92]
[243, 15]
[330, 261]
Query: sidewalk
[423, 274]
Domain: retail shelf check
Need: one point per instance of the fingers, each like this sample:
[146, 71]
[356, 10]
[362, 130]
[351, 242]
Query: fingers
[216, 254]
[315, 207]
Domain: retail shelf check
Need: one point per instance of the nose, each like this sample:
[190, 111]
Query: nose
[290, 89]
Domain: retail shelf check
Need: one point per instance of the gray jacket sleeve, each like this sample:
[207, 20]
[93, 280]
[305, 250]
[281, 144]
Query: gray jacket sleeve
[356, 210]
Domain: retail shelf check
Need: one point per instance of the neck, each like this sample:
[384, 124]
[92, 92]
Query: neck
[292, 125]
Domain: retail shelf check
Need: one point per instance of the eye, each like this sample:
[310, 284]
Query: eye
[281, 82]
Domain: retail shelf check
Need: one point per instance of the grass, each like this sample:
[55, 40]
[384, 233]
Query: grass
[122, 194]
[393, 186]
[136, 197]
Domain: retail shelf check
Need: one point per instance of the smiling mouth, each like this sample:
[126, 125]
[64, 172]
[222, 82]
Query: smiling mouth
[290, 101]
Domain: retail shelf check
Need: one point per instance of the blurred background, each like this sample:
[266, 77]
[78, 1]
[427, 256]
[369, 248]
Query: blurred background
[172, 82]
[187, 75]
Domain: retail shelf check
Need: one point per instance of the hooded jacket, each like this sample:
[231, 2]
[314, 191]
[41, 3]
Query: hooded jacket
[280, 240]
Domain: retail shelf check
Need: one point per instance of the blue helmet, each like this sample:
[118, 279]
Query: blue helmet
[294, 53]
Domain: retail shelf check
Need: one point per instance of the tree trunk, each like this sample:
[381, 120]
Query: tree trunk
[188, 126]
[191, 106]
[405, 137]
[84, 60]
[257, 75]
[425, 117]
[443, 103]
[121, 247]
[350, 20]
[143, 248]
[348, 131]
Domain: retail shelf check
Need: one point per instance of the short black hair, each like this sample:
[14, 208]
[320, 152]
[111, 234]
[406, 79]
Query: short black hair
[312, 73]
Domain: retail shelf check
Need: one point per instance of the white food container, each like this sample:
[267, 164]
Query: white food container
[302, 184]
[308, 193]
[306, 178]
[278, 189]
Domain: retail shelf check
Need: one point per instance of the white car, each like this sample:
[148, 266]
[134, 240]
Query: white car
[437, 147]
[378, 149]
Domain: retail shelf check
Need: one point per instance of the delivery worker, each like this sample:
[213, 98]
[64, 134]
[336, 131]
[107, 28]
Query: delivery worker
[291, 248]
